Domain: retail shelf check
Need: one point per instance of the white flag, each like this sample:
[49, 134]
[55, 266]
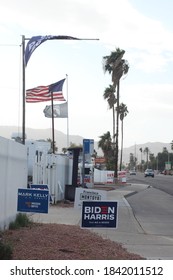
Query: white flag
[59, 111]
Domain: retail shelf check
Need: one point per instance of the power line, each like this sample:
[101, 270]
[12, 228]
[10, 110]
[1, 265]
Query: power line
[9, 45]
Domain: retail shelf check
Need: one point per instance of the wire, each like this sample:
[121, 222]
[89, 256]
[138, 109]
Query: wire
[6, 45]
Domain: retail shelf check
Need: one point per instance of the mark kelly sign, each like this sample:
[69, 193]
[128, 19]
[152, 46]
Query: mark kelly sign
[33, 200]
[99, 214]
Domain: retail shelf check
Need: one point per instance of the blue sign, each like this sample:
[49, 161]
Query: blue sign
[33, 200]
[39, 186]
[88, 146]
[99, 214]
[42, 187]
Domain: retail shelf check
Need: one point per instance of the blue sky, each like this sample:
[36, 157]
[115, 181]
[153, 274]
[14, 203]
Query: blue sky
[144, 29]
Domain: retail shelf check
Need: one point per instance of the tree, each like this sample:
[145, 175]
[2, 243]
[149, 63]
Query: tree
[165, 150]
[55, 147]
[132, 161]
[122, 113]
[163, 158]
[152, 161]
[64, 150]
[117, 67]
[109, 95]
[171, 145]
[146, 151]
[141, 157]
[105, 143]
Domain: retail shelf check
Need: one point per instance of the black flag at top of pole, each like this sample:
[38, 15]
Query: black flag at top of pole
[36, 41]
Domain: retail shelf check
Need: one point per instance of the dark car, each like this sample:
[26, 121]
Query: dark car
[149, 173]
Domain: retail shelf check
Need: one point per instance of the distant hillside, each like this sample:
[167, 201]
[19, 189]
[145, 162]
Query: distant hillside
[44, 134]
[154, 148]
[61, 141]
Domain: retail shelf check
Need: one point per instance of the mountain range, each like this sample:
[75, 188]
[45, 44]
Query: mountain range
[61, 141]
[154, 148]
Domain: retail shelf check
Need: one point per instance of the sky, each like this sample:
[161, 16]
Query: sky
[144, 29]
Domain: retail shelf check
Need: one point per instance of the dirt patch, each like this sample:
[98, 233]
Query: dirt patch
[63, 242]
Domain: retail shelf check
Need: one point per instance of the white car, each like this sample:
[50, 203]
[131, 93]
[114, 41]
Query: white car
[132, 172]
[149, 173]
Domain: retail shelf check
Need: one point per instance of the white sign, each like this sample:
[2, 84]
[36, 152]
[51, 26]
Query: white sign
[82, 194]
[167, 165]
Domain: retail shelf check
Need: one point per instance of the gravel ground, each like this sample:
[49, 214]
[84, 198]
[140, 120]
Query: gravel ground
[63, 242]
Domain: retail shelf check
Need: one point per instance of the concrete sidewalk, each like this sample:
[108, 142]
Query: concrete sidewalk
[129, 233]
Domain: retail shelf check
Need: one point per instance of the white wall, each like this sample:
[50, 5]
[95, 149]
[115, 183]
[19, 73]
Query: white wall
[13, 175]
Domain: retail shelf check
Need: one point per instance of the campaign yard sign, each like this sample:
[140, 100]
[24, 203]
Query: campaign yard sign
[33, 200]
[39, 186]
[99, 214]
[42, 187]
[82, 194]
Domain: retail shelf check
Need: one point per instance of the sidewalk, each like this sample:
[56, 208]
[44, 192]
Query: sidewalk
[129, 231]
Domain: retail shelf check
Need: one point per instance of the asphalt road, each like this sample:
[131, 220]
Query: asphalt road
[161, 182]
[153, 207]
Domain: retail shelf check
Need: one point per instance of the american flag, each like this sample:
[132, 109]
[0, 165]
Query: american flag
[45, 93]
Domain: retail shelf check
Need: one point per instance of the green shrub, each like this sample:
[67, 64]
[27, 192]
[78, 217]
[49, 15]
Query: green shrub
[13, 225]
[5, 251]
[21, 220]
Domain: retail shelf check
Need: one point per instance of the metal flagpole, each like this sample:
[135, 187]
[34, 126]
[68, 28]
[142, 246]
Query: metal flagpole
[53, 136]
[23, 89]
[23, 72]
[67, 114]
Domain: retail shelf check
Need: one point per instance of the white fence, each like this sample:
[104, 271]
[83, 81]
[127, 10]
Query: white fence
[107, 176]
[54, 171]
[103, 176]
[13, 175]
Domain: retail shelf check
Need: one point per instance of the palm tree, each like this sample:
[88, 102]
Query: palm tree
[117, 67]
[141, 157]
[105, 144]
[109, 95]
[171, 145]
[146, 151]
[123, 113]
[165, 151]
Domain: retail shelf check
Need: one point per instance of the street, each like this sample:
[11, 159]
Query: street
[161, 182]
[153, 207]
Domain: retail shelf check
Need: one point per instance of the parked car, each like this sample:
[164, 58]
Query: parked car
[167, 172]
[132, 172]
[149, 173]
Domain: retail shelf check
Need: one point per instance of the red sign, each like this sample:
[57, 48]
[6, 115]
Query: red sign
[100, 160]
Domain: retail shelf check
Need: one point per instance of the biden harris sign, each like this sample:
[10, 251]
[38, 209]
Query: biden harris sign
[33, 200]
[99, 214]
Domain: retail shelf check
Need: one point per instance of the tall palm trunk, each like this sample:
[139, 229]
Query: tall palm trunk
[113, 138]
[121, 157]
[117, 131]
